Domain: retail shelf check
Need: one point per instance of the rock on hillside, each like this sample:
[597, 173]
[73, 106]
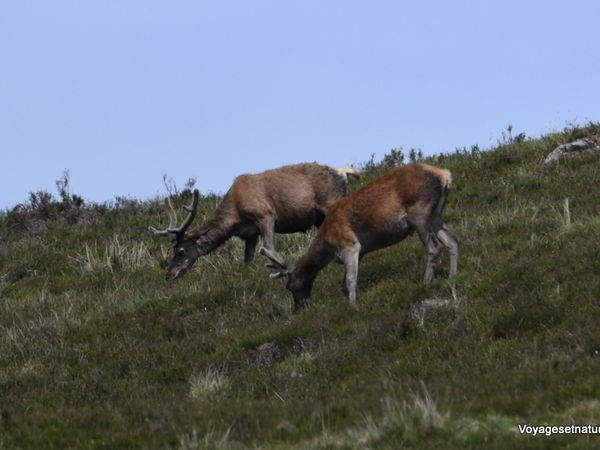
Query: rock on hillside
[580, 147]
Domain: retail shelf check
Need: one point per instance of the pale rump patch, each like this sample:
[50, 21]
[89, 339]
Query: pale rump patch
[444, 175]
[348, 171]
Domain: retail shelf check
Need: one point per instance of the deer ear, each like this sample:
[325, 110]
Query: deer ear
[198, 235]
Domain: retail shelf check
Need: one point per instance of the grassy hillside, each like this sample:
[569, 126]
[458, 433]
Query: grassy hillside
[98, 351]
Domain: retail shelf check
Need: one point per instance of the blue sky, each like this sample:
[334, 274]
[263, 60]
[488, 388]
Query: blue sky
[122, 92]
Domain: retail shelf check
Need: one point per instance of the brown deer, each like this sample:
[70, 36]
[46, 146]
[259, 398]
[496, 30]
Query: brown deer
[382, 213]
[286, 200]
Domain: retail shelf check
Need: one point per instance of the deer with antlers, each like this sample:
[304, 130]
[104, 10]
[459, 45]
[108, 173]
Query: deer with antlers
[384, 212]
[286, 200]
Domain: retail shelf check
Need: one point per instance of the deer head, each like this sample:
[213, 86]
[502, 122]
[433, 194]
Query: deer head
[185, 251]
[298, 283]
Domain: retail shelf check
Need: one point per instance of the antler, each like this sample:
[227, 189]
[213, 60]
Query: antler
[172, 229]
[191, 216]
[276, 263]
[172, 219]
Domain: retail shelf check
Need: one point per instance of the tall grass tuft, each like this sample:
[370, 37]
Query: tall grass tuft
[207, 383]
[114, 256]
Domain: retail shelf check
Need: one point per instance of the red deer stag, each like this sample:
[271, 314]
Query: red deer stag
[384, 212]
[286, 200]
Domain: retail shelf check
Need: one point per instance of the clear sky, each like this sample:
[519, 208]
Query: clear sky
[120, 92]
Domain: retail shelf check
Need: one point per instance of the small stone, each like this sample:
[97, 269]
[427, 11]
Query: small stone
[580, 147]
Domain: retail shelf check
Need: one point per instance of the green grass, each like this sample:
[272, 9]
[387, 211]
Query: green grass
[98, 351]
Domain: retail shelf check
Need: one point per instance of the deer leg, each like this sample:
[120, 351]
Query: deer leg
[433, 253]
[266, 226]
[350, 256]
[250, 248]
[433, 250]
[451, 242]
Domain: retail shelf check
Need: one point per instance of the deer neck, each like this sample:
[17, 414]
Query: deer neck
[308, 268]
[216, 229]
